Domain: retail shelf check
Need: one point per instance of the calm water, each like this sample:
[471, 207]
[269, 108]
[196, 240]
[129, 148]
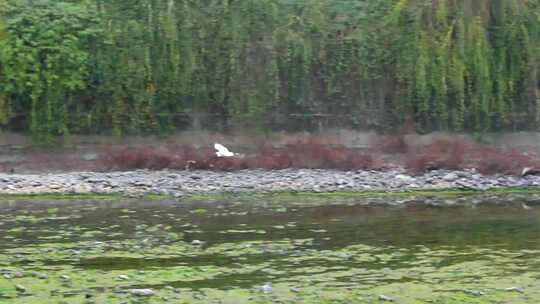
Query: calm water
[306, 252]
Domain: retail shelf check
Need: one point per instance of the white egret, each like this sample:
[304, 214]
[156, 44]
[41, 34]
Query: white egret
[222, 151]
[530, 171]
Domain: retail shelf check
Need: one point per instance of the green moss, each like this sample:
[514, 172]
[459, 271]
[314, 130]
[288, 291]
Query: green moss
[313, 253]
[285, 196]
[79, 197]
[269, 196]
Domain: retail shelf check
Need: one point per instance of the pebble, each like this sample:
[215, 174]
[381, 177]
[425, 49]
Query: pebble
[20, 288]
[404, 177]
[175, 290]
[122, 277]
[142, 292]
[137, 183]
[386, 298]
[450, 177]
[516, 289]
[473, 292]
[266, 288]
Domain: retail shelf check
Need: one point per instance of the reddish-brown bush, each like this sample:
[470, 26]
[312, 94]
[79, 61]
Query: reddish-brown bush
[391, 144]
[461, 154]
[228, 163]
[270, 159]
[190, 158]
[452, 154]
[309, 154]
[354, 160]
[440, 154]
[490, 160]
[137, 158]
[179, 157]
[312, 154]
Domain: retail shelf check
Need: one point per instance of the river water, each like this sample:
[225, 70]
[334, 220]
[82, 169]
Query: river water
[268, 251]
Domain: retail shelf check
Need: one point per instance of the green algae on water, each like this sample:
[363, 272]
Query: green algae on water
[318, 251]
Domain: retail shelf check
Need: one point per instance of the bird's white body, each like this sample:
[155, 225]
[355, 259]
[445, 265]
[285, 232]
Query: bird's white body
[525, 171]
[222, 151]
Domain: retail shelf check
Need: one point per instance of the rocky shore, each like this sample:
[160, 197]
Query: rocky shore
[186, 183]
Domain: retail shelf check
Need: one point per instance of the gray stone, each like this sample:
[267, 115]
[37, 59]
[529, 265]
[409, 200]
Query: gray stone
[266, 288]
[122, 277]
[386, 298]
[473, 292]
[403, 177]
[20, 288]
[136, 183]
[516, 289]
[142, 292]
[450, 177]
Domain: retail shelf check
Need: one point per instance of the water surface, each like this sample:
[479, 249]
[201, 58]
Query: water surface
[323, 251]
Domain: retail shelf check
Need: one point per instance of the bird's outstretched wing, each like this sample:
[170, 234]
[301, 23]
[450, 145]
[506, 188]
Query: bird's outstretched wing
[222, 151]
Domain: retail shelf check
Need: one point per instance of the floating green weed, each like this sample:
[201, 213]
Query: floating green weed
[319, 251]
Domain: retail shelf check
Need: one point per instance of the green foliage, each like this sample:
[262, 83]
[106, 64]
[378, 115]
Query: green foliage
[43, 62]
[143, 66]
[478, 58]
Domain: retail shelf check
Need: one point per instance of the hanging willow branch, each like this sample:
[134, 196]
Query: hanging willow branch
[120, 66]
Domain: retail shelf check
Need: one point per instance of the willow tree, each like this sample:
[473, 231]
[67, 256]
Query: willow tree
[468, 64]
[5, 108]
[156, 66]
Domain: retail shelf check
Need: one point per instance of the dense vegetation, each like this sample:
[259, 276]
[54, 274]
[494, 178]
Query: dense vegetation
[154, 66]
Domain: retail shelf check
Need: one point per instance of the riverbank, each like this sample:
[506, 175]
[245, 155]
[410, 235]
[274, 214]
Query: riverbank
[184, 184]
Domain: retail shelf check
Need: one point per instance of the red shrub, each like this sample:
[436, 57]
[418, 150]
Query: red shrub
[355, 160]
[460, 154]
[228, 163]
[190, 158]
[392, 144]
[440, 154]
[306, 154]
[138, 158]
[311, 154]
[452, 154]
[490, 160]
[270, 160]
[181, 158]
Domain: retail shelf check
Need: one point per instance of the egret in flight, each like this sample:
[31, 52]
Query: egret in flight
[222, 151]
